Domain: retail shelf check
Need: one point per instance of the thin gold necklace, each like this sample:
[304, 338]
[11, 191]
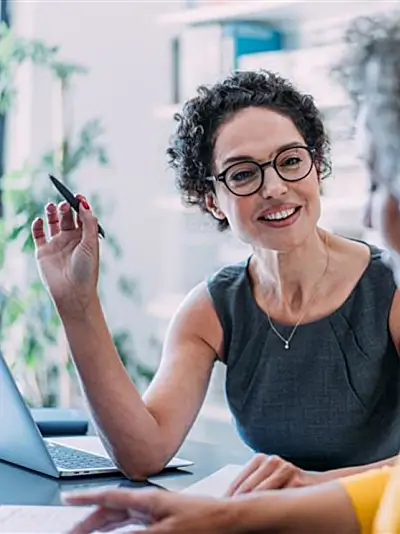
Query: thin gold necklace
[316, 288]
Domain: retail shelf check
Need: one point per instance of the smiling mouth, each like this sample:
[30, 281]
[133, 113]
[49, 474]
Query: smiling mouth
[278, 216]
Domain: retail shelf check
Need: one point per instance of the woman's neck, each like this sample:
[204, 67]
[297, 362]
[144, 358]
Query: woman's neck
[289, 280]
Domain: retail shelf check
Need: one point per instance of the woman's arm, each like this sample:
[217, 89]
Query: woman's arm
[350, 471]
[346, 506]
[142, 435]
[269, 472]
[325, 508]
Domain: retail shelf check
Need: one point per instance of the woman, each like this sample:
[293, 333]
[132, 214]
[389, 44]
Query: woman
[308, 326]
[353, 505]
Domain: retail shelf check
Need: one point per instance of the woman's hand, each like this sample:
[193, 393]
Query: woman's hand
[265, 472]
[68, 259]
[162, 511]
[326, 508]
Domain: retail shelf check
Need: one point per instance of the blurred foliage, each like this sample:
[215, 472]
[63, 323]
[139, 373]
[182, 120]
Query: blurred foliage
[29, 312]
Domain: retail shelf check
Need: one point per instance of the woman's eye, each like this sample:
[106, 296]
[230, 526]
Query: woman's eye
[241, 176]
[294, 160]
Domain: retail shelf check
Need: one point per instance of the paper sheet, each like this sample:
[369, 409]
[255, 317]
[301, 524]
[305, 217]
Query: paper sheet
[217, 484]
[46, 519]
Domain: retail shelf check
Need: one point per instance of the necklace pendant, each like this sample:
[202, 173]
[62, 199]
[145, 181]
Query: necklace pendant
[286, 345]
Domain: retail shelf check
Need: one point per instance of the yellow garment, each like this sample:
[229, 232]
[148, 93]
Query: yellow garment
[365, 491]
[388, 518]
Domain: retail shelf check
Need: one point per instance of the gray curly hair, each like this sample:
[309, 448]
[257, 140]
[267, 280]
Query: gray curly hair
[370, 71]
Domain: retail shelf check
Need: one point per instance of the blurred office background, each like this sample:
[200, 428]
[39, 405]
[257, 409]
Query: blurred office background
[144, 59]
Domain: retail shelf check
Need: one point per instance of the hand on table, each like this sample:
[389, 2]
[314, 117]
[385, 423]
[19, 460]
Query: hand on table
[268, 472]
[163, 511]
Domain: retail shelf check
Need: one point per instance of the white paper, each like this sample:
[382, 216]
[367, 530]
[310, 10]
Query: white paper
[217, 484]
[46, 519]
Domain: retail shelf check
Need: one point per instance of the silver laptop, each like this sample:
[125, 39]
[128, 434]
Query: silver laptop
[22, 444]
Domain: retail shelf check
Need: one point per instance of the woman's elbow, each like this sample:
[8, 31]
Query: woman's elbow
[141, 470]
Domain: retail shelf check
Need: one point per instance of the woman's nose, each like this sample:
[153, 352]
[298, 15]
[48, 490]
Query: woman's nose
[273, 185]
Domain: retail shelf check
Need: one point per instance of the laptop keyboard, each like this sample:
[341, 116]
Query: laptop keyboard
[69, 458]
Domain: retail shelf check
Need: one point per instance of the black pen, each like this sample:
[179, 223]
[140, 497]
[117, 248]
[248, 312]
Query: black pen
[71, 199]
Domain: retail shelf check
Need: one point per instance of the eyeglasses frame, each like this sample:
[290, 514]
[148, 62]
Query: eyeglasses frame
[262, 166]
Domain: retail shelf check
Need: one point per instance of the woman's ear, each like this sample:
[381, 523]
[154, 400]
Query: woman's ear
[213, 207]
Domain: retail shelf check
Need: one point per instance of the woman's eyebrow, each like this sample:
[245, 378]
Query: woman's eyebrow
[243, 157]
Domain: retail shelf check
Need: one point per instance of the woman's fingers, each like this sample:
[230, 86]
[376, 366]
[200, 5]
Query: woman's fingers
[117, 499]
[59, 218]
[99, 519]
[249, 469]
[141, 504]
[85, 204]
[265, 472]
[52, 219]
[115, 507]
[38, 235]
[253, 480]
[63, 218]
[64, 225]
[89, 225]
[278, 480]
[67, 221]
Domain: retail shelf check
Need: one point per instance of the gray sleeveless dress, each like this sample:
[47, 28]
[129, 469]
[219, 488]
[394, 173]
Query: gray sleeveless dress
[333, 399]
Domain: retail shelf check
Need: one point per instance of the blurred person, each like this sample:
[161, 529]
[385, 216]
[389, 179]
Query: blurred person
[371, 72]
[308, 326]
[358, 504]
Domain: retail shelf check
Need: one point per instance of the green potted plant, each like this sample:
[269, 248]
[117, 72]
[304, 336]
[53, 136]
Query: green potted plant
[27, 314]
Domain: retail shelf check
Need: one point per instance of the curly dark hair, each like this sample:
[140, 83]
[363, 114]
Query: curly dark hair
[191, 148]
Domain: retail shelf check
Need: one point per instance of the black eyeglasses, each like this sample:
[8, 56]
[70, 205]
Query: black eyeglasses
[247, 177]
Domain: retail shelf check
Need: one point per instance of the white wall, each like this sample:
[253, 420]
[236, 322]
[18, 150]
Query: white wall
[127, 54]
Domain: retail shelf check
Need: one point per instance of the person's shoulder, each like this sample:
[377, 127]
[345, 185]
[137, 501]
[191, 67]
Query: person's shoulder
[205, 303]
[199, 296]
[364, 266]
[376, 282]
[378, 261]
[196, 298]
[196, 318]
[363, 253]
[228, 274]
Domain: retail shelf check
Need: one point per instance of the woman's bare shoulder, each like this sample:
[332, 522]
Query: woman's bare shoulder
[196, 316]
[357, 252]
[349, 259]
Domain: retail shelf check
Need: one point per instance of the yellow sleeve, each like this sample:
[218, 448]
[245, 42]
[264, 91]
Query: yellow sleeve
[365, 491]
[387, 520]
